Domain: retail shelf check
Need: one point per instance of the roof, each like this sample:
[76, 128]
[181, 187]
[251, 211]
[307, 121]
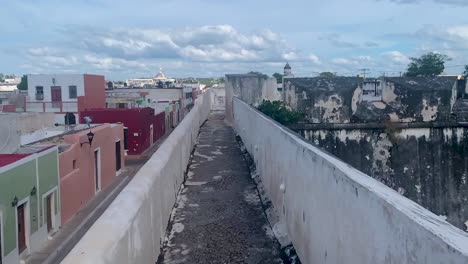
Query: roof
[287, 66]
[49, 133]
[241, 75]
[325, 84]
[8, 87]
[6, 159]
[160, 75]
[425, 83]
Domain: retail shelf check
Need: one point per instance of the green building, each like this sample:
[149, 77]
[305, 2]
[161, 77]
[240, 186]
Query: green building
[29, 201]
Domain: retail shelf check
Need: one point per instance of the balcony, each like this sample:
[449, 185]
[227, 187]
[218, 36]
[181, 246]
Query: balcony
[39, 97]
[51, 107]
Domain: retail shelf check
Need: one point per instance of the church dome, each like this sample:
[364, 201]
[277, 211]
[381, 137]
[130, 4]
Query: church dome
[287, 66]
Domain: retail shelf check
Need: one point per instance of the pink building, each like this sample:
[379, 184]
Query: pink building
[85, 169]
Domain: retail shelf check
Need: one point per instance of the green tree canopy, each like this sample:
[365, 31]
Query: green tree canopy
[465, 73]
[327, 74]
[429, 64]
[23, 85]
[279, 112]
[278, 76]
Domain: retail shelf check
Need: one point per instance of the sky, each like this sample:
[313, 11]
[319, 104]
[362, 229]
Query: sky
[210, 38]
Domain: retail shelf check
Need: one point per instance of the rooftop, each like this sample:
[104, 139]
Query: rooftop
[49, 133]
[6, 159]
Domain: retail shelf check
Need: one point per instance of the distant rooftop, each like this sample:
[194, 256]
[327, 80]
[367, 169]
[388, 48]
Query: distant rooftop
[6, 159]
[50, 133]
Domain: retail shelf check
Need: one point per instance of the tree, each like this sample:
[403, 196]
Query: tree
[430, 64]
[327, 74]
[279, 112]
[110, 85]
[23, 85]
[465, 73]
[2, 78]
[125, 84]
[278, 76]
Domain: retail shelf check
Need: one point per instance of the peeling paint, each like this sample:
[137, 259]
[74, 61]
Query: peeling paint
[357, 97]
[393, 117]
[414, 132]
[429, 113]
[379, 105]
[388, 93]
[381, 153]
[331, 108]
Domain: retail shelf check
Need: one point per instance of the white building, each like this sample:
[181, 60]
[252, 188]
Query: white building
[159, 80]
[64, 93]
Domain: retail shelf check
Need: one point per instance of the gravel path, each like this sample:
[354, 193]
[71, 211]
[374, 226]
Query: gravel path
[218, 217]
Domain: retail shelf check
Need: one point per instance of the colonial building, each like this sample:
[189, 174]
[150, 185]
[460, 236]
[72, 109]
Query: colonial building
[29, 201]
[142, 128]
[64, 93]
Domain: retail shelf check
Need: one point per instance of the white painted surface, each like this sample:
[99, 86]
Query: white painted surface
[218, 98]
[10, 135]
[62, 80]
[131, 230]
[336, 214]
[155, 95]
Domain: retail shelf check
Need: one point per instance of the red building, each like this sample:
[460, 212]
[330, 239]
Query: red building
[142, 128]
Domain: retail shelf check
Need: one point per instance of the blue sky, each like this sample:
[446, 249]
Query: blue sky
[207, 38]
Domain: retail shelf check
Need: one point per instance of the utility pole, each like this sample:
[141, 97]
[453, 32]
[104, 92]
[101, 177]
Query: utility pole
[364, 71]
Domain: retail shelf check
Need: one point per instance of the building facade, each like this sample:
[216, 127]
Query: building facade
[86, 169]
[390, 99]
[29, 202]
[142, 128]
[64, 93]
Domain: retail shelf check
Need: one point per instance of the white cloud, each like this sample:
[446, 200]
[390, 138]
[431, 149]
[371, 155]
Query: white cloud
[205, 43]
[344, 61]
[397, 57]
[314, 59]
[290, 56]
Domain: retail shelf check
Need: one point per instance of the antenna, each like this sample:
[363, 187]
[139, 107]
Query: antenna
[364, 71]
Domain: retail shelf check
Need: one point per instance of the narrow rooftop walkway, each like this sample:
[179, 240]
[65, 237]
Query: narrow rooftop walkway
[218, 217]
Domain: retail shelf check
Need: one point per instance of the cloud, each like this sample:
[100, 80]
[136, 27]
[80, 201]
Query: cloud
[337, 40]
[290, 56]
[344, 61]
[205, 43]
[397, 57]
[314, 59]
[371, 44]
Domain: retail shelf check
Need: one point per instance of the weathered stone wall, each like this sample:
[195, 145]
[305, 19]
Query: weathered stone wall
[336, 214]
[252, 88]
[354, 100]
[218, 98]
[426, 163]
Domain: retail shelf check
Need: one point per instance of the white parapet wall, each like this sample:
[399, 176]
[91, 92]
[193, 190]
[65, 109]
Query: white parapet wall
[132, 229]
[337, 214]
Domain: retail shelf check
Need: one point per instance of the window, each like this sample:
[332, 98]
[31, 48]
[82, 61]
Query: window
[372, 91]
[118, 159]
[72, 92]
[39, 93]
[74, 164]
[125, 138]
